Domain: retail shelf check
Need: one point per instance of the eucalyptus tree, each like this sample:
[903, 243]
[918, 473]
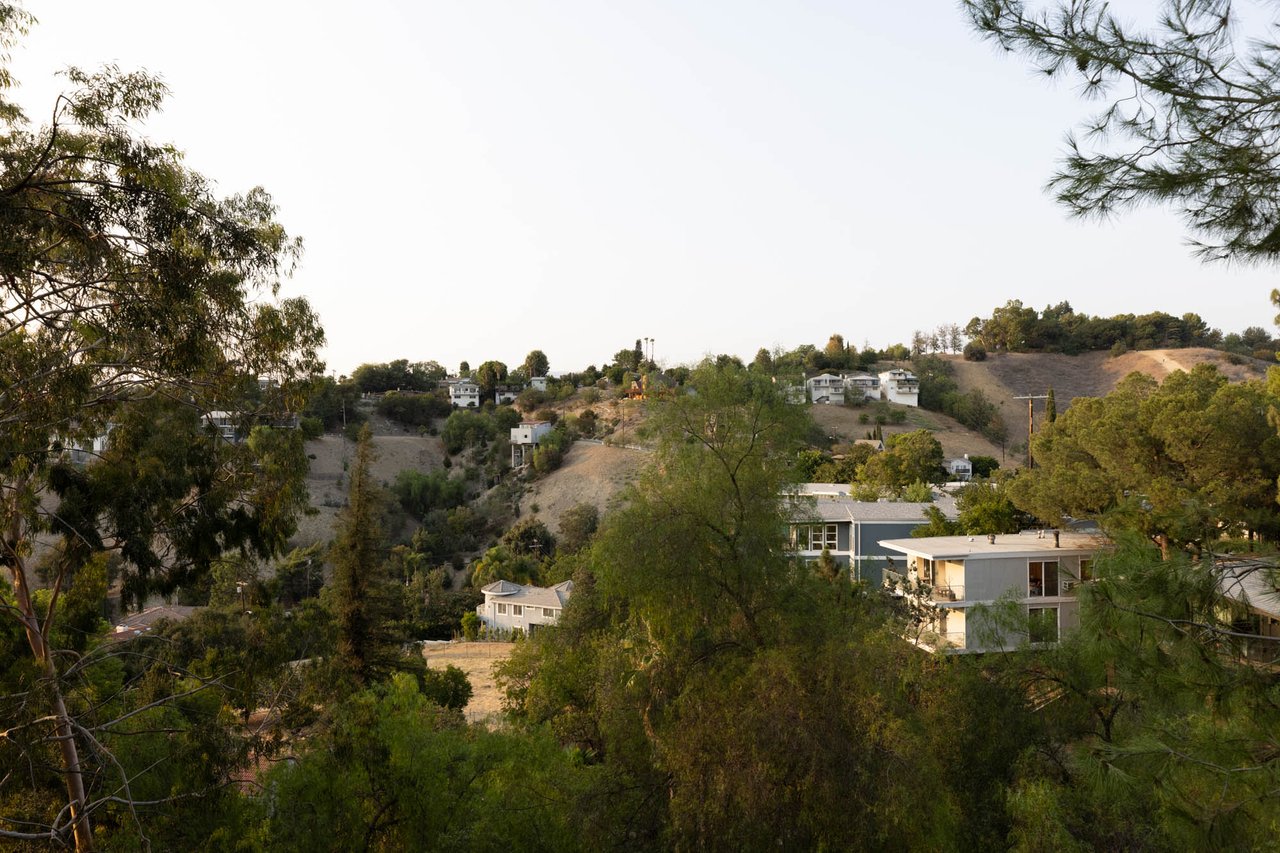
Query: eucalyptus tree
[133, 300]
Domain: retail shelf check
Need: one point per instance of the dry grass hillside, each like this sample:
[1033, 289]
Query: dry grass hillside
[1004, 376]
[396, 449]
[591, 473]
[841, 425]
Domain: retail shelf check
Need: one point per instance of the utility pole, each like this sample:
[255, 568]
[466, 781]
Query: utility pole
[1031, 422]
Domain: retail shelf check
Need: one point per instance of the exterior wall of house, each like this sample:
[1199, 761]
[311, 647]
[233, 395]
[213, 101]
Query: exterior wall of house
[465, 395]
[872, 557]
[500, 615]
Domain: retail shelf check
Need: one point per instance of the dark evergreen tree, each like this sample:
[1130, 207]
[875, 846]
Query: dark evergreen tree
[360, 596]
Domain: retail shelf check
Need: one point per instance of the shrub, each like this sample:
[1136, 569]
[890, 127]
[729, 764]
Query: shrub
[864, 418]
[591, 396]
[311, 428]
[1119, 348]
[898, 416]
[470, 625]
[448, 688]
[975, 351]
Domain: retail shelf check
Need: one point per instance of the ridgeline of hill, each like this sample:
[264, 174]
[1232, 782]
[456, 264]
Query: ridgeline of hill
[594, 473]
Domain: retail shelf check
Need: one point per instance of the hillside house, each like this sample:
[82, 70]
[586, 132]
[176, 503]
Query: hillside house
[510, 607]
[823, 516]
[900, 386]
[524, 439]
[464, 394]
[864, 384]
[1040, 570]
[826, 388]
[538, 382]
[505, 394]
[960, 470]
[1252, 585]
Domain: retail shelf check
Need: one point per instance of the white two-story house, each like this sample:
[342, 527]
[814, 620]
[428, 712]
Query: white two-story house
[862, 385]
[900, 386]
[1036, 573]
[524, 439]
[464, 394]
[510, 607]
[826, 388]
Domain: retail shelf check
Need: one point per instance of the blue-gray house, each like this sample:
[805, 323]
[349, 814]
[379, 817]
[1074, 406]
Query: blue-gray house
[825, 517]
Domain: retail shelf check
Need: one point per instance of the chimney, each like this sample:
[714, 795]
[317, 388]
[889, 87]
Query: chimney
[1057, 543]
[991, 537]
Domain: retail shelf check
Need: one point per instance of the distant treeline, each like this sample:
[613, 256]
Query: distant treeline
[1014, 327]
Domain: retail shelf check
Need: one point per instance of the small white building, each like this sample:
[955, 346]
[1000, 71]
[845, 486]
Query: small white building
[900, 386]
[538, 382]
[826, 388]
[511, 606]
[525, 438]
[464, 394]
[504, 394]
[950, 575]
[961, 470]
[864, 384]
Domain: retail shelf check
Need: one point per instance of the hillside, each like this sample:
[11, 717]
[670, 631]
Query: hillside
[1004, 376]
[591, 473]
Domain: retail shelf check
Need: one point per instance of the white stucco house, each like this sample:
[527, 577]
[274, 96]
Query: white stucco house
[900, 386]
[525, 438]
[504, 394]
[826, 388]
[960, 470]
[464, 394]
[864, 384]
[538, 382]
[952, 575]
[511, 606]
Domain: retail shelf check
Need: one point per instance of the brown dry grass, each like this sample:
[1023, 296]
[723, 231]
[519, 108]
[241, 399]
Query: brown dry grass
[477, 660]
[841, 425]
[591, 473]
[1004, 376]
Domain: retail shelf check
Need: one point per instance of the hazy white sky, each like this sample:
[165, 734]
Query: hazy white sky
[475, 178]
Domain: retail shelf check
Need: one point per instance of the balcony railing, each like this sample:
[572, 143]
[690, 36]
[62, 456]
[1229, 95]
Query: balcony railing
[952, 592]
[941, 641]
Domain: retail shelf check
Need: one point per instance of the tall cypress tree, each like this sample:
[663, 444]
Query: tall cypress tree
[362, 602]
[1050, 408]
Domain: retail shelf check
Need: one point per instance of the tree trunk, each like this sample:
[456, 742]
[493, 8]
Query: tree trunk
[65, 734]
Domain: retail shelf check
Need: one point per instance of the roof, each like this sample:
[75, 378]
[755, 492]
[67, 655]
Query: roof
[1025, 544]
[1252, 582]
[536, 596]
[829, 507]
[139, 623]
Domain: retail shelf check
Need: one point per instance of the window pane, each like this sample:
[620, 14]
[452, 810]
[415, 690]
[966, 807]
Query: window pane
[1035, 580]
[1051, 578]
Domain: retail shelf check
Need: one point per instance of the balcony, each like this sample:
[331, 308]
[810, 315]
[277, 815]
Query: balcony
[941, 641]
[951, 592]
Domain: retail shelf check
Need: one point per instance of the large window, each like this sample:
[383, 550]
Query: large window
[815, 537]
[1042, 624]
[502, 609]
[1042, 578]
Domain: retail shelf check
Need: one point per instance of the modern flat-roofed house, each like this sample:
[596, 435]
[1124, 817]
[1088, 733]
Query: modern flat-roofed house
[464, 394]
[865, 384]
[951, 575]
[505, 394]
[824, 517]
[524, 439]
[900, 386]
[826, 388]
[538, 382]
[510, 607]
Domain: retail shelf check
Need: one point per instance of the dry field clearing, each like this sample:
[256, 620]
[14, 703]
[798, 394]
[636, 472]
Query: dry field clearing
[477, 661]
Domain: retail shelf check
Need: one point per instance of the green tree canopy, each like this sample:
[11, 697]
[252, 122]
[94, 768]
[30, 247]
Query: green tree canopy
[1183, 461]
[1187, 109]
